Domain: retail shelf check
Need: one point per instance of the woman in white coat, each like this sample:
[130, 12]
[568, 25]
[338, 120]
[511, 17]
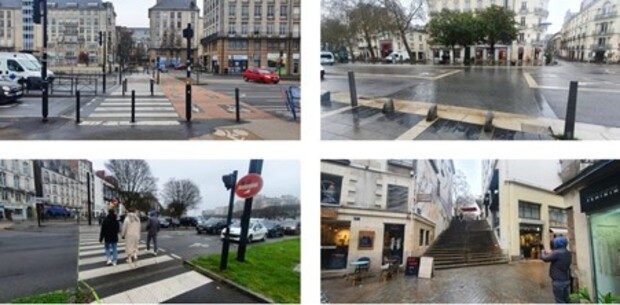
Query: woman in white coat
[131, 234]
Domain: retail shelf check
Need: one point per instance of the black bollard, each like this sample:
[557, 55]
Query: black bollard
[188, 102]
[571, 111]
[152, 87]
[104, 83]
[352, 89]
[133, 106]
[77, 107]
[237, 106]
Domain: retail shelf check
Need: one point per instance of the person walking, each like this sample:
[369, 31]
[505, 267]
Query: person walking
[109, 234]
[152, 227]
[559, 271]
[131, 235]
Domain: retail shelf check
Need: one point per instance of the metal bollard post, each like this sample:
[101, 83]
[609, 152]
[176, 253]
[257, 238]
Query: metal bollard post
[237, 106]
[133, 106]
[571, 111]
[158, 76]
[352, 89]
[77, 107]
[188, 102]
[104, 83]
[152, 87]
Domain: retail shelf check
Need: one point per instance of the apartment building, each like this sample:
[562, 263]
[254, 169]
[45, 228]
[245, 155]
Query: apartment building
[73, 31]
[386, 43]
[11, 20]
[383, 210]
[521, 205]
[168, 18]
[593, 33]
[64, 183]
[17, 190]
[531, 18]
[105, 192]
[252, 33]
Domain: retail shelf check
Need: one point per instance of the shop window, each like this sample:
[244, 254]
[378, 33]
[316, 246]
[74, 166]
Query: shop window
[605, 232]
[334, 244]
[397, 198]
[557, 217]
[529, 210]
[331, 186]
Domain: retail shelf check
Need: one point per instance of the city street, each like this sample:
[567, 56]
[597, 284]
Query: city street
[35, 261]
[159, 117]
[532, 96]
[522, 282]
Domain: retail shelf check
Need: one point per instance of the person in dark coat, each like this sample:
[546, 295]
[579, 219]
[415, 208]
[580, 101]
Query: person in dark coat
[152, 227]
[109, 234]
[559, 271]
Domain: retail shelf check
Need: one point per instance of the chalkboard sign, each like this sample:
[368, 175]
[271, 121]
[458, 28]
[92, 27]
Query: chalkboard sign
[426, 267]
[413, 266]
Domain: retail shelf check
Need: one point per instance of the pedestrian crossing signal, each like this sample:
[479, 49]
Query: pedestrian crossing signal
[36, 11]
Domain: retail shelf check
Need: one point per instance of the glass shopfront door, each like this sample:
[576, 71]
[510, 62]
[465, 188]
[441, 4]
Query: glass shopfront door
[334, 244]
[605, 232]
[393, 241]
[530, 241]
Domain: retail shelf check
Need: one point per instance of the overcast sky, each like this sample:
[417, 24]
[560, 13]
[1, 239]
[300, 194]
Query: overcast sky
[135, 13]
[557, 11]
[473, 171]
[280, 177]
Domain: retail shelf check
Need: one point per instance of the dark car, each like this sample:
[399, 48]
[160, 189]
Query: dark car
[188, 221]
[174, 223]
[274, 229]
[292, 227]
[10, 92]
[213, 225]
[163, 223]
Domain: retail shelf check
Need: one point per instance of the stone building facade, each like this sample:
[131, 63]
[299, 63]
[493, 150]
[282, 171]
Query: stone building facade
[168, 18]
[64, 183]
[593, 33]
[254, 33]
[531, 18]
[386, 43]
[17, 190]
[11, 21]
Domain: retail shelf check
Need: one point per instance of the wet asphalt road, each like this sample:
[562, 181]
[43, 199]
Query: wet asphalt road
[498, 89]
[34, 262]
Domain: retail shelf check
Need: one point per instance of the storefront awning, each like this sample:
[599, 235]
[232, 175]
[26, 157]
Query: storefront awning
[559, 231]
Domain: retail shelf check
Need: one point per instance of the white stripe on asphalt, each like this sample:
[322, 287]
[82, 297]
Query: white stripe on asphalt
[153, 99]
[138, 108]
[175, 256]
[138, 115]
[97, 246]
[122, 123]
[101, 259]
[128, 104]
[160, 291]
[107, 270]
[91, 252]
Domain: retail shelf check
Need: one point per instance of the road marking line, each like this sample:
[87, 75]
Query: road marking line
[138, 108]
[138, 115]
[101, 258]
[161, 100]
[91, 252]
[97, 246]
[415, 131]
[331, 113]
[108, 270]
[128, 104]
[446, 74]
[531, 82]
[124, 123]
[160, 291]
[175, 256]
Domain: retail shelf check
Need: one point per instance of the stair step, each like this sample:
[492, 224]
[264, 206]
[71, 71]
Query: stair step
[461, 265]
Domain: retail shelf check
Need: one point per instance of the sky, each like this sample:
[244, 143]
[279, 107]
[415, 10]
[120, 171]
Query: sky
[473, 171]
[280, 177]
[557, 11]
[135, 13]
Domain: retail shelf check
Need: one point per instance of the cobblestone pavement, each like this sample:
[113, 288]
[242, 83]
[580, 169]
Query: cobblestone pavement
[521, 282]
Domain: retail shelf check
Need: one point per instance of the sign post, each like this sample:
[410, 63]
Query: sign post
[188, 33]
[247, 188]
[230, 181]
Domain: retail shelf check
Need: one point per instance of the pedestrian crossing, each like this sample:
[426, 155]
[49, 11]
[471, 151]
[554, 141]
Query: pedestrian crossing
[150, 279]
[150, 110]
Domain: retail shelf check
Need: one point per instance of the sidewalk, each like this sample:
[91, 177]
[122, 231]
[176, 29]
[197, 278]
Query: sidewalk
[366, 121]
[215, 107]
[32, 225]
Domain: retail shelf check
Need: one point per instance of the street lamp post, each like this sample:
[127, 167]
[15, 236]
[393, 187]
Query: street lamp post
[44, 85]
[230, 181]
[256, 167]
[188, 34]
[88, 200]
[102, 43]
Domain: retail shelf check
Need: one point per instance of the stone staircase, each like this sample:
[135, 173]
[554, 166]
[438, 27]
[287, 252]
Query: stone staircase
[466, 243]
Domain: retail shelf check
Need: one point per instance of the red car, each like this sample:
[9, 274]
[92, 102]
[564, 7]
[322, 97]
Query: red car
[261, 76]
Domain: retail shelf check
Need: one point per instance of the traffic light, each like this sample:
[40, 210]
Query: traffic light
[188, 32]
[36, 11]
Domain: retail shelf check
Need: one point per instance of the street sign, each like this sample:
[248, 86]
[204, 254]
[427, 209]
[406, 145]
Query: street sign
[188, 33]
[249, 186]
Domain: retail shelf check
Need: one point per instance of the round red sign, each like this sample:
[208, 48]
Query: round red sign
[249, 186]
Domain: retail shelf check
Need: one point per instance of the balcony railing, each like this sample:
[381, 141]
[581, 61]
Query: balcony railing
[539, 11]
[609, 15]
[600, 47]
[602, 33]
[523, 10]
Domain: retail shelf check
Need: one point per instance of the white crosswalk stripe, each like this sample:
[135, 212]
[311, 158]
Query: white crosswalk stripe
[160, 291]
[107, 270]
[102, 249]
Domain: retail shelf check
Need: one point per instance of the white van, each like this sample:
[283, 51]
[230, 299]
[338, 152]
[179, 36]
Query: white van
[395, 57]
[19, 67]
[327, 58]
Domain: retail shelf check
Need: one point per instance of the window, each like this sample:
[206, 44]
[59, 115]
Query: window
[2, 179]
[13, 66]
[258, 10]
[16, 181]
[283, 11]
[232, 9]
[331, 186]
[522, 21]
[529, 210]
[245, 10]
[428, 241]
[270, 11]
[397, 198]
[557, 217]
[421, 240]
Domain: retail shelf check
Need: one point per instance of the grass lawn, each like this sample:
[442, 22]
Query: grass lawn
[268, 269]
[56, 297]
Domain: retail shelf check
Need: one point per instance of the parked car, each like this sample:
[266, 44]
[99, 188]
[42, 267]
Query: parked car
[10, 93]
[213, 225]
[174, 223]
[163, 223]
[261, 76]
[292, 227]
[396, 57]
[188, 221]
[22, 67]
[257, 231]
[274, 229]
[57, 211]
[327, 58]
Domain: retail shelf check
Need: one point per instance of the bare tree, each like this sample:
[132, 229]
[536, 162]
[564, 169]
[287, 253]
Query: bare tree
[403, 13]
[462, 190]
[180, 196]
[134, 180]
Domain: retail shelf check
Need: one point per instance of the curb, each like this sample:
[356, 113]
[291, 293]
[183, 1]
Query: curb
[218, 278]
